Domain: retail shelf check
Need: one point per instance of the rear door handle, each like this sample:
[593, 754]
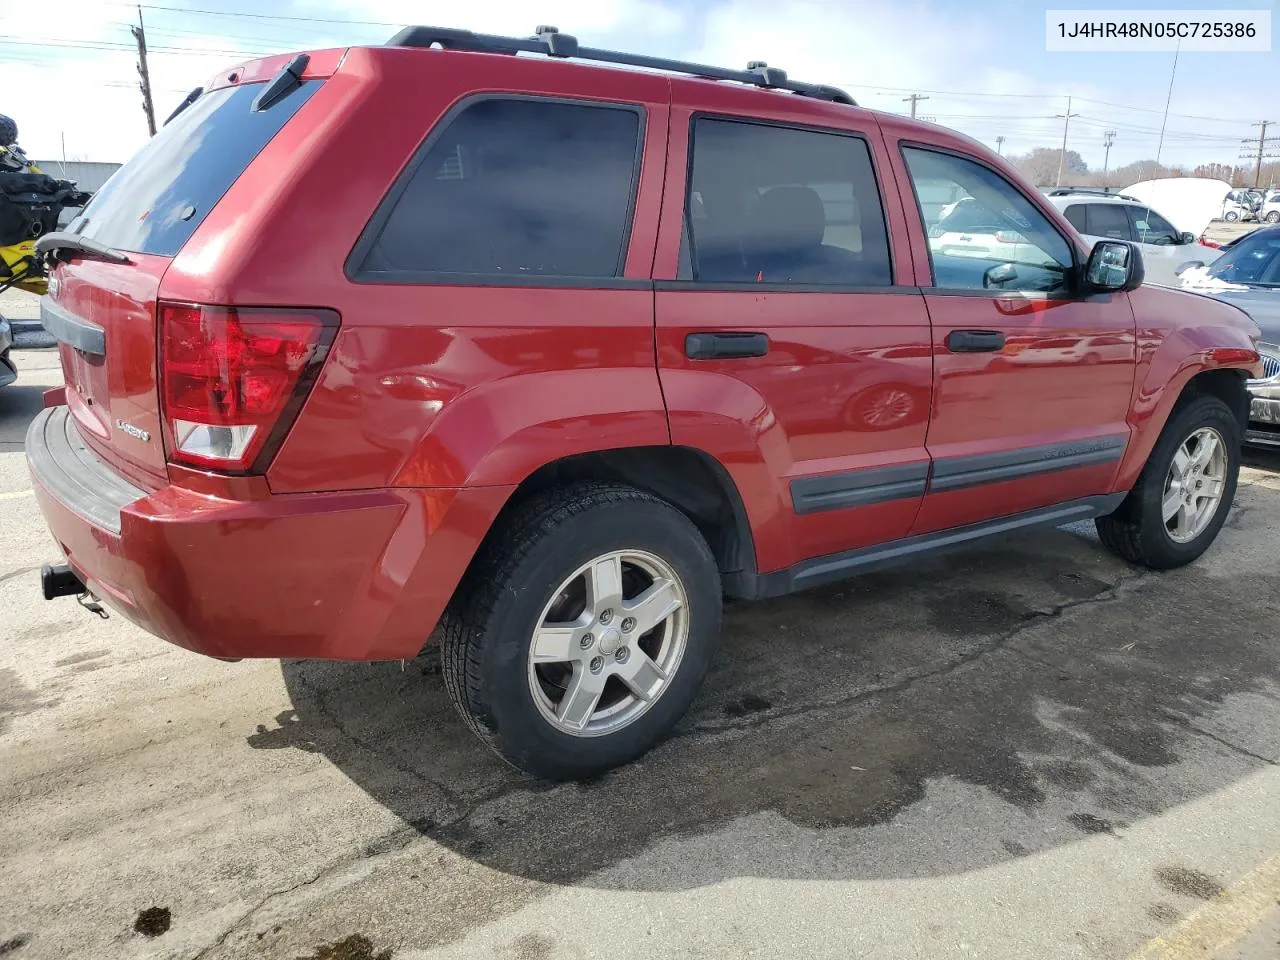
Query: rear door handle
[975, 341]
[721, 346]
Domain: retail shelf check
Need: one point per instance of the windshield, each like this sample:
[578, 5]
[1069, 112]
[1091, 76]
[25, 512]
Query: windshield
[1253, 259]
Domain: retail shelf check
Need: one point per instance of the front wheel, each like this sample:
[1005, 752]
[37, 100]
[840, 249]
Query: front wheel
[583, 631]
[1184, 492]
[1273, 216]
[1231, 216]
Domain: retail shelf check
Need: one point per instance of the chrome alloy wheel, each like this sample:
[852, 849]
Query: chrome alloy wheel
[1193, 489]
[608, 643]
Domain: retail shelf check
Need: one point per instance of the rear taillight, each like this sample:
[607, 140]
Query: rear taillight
[1008, 236]
[232, 379]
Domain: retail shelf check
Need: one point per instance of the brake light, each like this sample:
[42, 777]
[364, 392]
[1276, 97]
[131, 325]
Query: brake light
[234, 378]
[1008, 236]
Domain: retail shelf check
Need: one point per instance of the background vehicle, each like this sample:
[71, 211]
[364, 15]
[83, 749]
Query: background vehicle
[1241, 205]
[1270, 212]
[603, 348]
[1247, 275]
[1110, 216]
[30, 204]
[965, 228]
[8, 372]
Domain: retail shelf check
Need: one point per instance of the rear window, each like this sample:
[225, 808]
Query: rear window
[1108, 220]
[512, 188]
[157, 200]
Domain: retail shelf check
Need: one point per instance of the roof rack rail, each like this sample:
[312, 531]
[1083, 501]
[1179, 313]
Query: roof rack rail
[1068, 191]
[553, 43]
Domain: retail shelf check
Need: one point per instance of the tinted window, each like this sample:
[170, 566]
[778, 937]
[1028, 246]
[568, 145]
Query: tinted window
[1150, 227]
[155, 201]
[1075, 214]
[516, 188]
[1025, 246]
[777, 205]
[1108, 220]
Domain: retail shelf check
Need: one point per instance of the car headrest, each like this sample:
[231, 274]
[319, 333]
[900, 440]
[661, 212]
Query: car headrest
[787, 219]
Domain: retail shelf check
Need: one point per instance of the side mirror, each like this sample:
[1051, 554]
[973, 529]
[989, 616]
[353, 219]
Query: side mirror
[999, 275]
[1113, 266]
[1189, 265]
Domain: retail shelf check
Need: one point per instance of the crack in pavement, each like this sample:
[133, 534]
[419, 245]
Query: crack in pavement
[1230, 745]
[1002, 641]
[409, 834]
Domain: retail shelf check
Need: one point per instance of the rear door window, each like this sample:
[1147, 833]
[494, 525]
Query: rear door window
[1075, 215]
[515, 188]
[155, 202]
[1108, 220]
[771, 204]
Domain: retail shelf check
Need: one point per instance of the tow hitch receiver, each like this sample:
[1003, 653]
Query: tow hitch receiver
[58, 580]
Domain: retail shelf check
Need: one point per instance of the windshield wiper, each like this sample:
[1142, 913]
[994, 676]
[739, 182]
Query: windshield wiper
[51, 243]
[190, 98]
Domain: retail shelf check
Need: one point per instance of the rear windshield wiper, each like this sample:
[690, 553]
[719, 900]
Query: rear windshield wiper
[51, 243]
[190, 98]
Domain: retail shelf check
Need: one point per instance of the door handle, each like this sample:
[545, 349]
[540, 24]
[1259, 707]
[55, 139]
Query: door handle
[975, 341]
[721, 346]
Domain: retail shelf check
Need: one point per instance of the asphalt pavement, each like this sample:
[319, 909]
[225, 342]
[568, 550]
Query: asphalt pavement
[1027, 750]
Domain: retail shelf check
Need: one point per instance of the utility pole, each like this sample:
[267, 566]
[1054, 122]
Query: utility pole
[1264, 144]
[140, 35]
[999, 146]
[1108, 138]
[914, 99]
[1062, 156]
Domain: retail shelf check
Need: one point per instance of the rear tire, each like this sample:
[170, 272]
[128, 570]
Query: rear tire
[1273, 216]
[535, 624]
[1142, 530]
[1231, 216]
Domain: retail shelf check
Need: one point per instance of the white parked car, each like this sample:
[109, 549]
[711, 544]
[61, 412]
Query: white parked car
[1118, 216]
[966, 228]
[1270, 212]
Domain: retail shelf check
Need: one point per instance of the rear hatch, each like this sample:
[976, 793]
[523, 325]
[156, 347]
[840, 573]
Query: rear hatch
[104, 312]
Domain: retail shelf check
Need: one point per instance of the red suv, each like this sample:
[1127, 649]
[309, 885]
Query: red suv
[546, 357]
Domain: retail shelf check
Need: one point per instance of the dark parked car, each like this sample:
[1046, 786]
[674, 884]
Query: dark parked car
[1248, 276]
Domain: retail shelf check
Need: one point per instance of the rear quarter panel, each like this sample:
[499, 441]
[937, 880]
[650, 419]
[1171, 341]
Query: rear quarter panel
[432, 385]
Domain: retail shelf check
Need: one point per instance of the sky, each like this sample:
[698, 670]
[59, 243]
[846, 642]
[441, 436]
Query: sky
[982, 63]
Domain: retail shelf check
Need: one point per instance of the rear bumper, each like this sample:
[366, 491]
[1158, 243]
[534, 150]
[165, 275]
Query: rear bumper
[362, 575]
[1264, 422]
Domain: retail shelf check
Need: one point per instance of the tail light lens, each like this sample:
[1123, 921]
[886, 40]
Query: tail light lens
[1008, 236]
[935, 231]
[233, 379]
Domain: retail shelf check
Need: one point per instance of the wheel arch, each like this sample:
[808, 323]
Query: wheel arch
[690, 479]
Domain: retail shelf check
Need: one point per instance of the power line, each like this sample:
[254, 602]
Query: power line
[258, 16]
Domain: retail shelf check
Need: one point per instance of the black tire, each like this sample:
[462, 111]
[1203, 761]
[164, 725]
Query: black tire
[486, 635]
[1273, 216]
[1136, 531]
